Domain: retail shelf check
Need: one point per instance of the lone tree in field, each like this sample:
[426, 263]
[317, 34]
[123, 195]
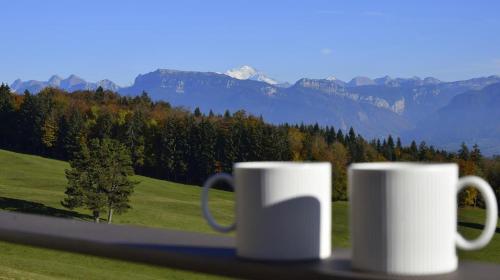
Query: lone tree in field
[99, 179]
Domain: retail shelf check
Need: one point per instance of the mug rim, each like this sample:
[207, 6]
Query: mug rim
[264, 165]
[383, 166]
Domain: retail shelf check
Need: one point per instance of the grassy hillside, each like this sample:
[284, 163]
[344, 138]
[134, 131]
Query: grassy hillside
[36, 185]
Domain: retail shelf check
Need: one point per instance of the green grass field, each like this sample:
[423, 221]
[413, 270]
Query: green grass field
[36, 185]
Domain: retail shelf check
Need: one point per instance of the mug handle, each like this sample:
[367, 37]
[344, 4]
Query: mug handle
[491, 213]
[204, 201]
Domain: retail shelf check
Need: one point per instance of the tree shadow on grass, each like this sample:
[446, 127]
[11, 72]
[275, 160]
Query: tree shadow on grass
[30, 207]
[475, 226]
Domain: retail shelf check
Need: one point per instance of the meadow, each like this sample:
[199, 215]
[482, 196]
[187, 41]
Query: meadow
[33, 184]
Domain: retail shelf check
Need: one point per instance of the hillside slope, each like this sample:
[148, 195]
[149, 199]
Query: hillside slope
[36, 185]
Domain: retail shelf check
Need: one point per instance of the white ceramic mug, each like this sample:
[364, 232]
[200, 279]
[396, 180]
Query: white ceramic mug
[403, 217]
[283, 209]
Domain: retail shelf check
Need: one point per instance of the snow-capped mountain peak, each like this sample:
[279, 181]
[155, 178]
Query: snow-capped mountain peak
[246, 72]
[243, 73]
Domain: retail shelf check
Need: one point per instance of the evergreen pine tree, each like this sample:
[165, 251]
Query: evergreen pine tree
[350, 137]
[75, 135]
[197, 112]
[463, 152]
[99, 179]
[104, 125]
[7, 117]
[413, 151]
[389, 149]
[115, 180]
[135, 129]
[476, 156]
[398, 144]
[30, 124]
[99, 94]
[340, 136]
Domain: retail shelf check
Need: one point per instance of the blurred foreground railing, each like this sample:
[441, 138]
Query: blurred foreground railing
[186, 250]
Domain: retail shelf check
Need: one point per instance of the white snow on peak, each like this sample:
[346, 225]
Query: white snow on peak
[246, 72]
[242, 73]
[331, 78]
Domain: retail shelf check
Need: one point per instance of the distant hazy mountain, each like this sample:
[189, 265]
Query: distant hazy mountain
[361, 81]
[329, 102]
[207, 90]
[107, 84]
[471, 117]
[70, 84]
[414, 108]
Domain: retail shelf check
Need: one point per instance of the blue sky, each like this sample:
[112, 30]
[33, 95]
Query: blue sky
[288, 40]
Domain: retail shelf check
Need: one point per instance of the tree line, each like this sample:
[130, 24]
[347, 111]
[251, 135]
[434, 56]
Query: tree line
[185, 146]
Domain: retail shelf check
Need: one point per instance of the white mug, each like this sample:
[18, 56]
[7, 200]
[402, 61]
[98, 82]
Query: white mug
[403, 217]
[283, 209]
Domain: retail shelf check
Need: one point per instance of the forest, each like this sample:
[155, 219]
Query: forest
[180, 145]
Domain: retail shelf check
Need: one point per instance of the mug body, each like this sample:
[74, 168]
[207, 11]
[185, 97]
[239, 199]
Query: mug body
[403, 217]
[283, 210]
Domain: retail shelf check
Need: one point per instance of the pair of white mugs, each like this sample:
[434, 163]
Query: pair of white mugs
[403, 216]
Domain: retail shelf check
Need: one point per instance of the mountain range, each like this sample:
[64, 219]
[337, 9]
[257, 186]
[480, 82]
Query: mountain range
[441, 113]
[70, 84]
